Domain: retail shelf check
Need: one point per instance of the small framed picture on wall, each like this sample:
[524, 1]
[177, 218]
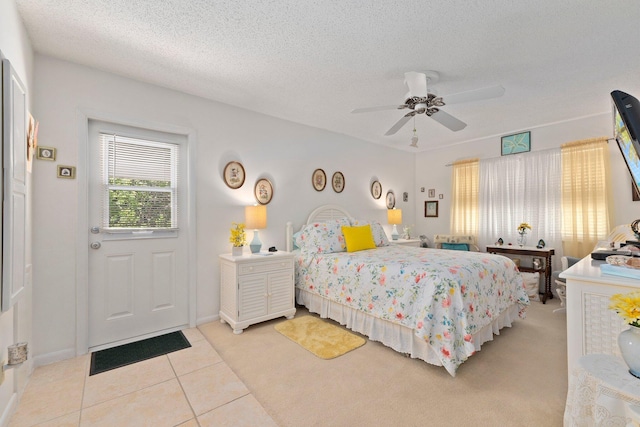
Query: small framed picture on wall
[431, 209]
[263, 191]
[337, 182]
[517, 143]
[46, 153]
[376, 190]
[318, 179]
[68, 172]
[233, 175]
[391, 199]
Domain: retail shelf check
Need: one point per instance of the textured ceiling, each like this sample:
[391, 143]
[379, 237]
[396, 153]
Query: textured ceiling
[312, 62]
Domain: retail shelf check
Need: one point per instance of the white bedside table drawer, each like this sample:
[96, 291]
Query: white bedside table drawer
[264, 267]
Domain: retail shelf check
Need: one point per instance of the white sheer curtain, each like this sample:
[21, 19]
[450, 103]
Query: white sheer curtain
[522, 188]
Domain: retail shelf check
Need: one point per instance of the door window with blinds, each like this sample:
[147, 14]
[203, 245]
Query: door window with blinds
[140, 181]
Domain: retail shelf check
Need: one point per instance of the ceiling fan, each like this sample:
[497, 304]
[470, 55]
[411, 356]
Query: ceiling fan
[419, 101]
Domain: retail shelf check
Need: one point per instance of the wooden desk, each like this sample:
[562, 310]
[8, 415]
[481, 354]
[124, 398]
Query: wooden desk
[545, 253]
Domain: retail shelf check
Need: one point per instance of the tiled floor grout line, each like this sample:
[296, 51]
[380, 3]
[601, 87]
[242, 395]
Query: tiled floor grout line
[87, 369]
[85, 385]
[193, 411]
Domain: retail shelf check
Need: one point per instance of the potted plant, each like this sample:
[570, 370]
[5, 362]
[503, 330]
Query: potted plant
[238, 238]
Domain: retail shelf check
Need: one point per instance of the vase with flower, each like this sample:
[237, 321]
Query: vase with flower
[238, 238]
[406, 232]
[522, 233]
[628, 307]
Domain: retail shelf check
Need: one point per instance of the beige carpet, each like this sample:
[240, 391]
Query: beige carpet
[518, 379]
[321, 337]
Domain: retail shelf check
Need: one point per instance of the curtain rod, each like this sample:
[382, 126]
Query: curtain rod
[496, 157]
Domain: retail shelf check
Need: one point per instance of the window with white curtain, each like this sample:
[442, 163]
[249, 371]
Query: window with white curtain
[140, 179]
[522, 188]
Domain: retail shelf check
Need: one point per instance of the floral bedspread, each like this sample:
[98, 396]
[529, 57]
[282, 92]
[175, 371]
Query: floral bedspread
[445, 296]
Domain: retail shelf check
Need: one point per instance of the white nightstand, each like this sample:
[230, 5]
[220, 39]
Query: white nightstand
[255, 288]
[406, 242]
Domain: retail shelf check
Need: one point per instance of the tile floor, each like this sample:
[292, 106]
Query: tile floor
[188, 388]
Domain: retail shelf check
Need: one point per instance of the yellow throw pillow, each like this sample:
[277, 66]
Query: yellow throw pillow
[358, 238]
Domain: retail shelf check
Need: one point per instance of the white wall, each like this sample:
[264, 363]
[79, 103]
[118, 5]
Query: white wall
[432, 172]
[284, 152]
[15, 324]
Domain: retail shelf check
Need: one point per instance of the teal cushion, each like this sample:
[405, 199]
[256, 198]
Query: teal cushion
[455, 246]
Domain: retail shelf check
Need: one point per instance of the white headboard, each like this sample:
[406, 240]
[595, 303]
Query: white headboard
[322, 213]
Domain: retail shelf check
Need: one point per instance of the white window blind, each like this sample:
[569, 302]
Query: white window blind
[586, 195]
[140, 181]
[464, 197]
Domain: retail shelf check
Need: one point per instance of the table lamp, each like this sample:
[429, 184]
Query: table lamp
[394, 216]
[255, 218]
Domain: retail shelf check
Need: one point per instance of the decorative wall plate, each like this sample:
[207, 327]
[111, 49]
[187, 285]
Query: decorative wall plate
[263, 191]
[233, 174]
[376, 189]
[319, 179]
[337, 181]
[391, 200]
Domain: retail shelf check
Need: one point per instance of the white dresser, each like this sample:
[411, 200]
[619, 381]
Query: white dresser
[255, 288]
[591, 326]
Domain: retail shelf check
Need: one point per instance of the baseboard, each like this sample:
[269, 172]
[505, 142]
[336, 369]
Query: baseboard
[45, 359]
[207, 319]
[9, 410]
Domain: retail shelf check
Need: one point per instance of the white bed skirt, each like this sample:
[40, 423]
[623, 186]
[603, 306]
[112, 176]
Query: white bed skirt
[398, 337]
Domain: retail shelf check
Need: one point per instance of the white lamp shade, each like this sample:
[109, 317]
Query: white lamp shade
[394, 216]
[255, 217]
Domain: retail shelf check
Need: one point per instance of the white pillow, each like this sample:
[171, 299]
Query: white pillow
[295, 239]
[322, 237]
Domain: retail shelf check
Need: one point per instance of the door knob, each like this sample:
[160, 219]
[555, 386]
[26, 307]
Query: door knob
[95, 230]
[95, 245]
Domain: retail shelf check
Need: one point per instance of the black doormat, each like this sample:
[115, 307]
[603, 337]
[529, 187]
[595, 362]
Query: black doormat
[116, 357]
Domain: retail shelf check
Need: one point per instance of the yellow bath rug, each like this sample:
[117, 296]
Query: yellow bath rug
[319, 336]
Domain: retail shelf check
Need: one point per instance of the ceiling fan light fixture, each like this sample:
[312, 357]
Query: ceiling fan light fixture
[414, 138]
[420, 101]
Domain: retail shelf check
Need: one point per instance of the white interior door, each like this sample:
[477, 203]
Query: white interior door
[138, 258]
[14, 129]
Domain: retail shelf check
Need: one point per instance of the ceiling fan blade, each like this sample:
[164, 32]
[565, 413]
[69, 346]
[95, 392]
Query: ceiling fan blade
[417, 83]
[381, 108]
[474, 95]
[395, 128]
[447, 120]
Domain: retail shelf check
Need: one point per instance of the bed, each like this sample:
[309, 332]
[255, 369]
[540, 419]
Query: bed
[436, 305]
